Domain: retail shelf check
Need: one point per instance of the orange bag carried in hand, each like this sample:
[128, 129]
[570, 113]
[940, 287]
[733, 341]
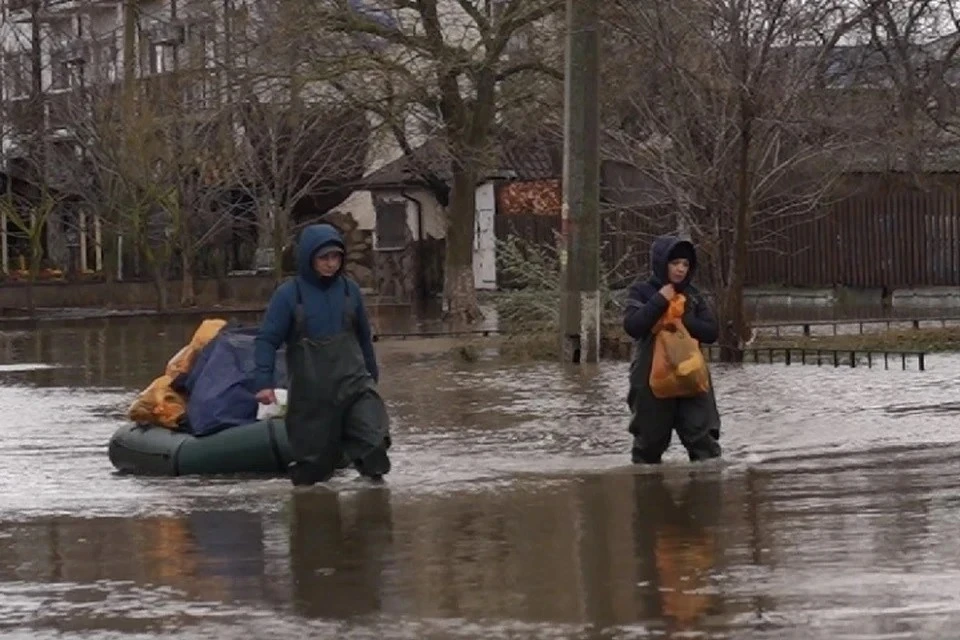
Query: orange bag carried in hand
[678, 369]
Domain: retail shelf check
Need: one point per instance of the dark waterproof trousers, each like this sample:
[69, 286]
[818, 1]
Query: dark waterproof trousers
[696, 420]
[334, 410]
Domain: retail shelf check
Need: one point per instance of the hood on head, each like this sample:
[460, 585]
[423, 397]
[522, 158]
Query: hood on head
[660, 252]
[311, 239]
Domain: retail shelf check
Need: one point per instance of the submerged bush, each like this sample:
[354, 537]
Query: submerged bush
[528, 305]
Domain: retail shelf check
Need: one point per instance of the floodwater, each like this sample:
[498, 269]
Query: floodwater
[512, 511]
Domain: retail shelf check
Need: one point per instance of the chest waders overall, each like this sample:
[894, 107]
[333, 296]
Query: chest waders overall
[653, 421]
[333, 409]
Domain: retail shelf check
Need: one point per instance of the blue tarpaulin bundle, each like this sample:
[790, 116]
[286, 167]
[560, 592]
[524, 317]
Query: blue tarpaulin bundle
[219, 385]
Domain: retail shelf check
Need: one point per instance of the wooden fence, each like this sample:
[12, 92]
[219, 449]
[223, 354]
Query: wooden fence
[896, 238]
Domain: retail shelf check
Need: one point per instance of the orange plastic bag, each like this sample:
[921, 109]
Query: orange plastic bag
[206, 332]
[158, 404]
[678, 369]
[183, 360]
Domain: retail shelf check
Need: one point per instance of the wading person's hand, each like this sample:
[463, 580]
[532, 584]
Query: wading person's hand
[266, 396]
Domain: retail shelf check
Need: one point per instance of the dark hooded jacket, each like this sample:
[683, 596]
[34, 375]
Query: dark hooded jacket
[324, 302]
[645, 305]
[653, 417]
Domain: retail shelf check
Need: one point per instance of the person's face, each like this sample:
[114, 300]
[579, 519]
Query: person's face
[327, 265]
[677, 270]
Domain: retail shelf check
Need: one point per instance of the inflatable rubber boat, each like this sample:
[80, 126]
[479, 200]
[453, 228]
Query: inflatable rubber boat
[257, 448]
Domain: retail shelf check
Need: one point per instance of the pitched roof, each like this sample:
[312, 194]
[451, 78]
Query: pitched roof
[527, 158]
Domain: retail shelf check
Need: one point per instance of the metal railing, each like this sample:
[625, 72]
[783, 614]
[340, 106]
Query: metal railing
[806, 326]
[827, 357]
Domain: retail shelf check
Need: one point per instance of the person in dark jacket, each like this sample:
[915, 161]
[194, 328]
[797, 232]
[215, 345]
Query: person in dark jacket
[334, 408]
[696, 420]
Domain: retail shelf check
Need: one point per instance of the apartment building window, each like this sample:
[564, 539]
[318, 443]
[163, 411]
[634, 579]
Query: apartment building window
[17, 71]
[379, 12]
[199, 91]
[200, 37]
[59, 71]
[519, 42]
[105, 60]
[160, 58]
[238, 32]
[496, 8]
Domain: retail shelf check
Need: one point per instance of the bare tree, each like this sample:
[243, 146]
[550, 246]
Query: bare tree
[30, 213]
[294, 156]
[286, 147]
[33, 208]
[156, 147]
[450, 69]
[151, 168]
[905, 73]
[729, 117]
[133, 187]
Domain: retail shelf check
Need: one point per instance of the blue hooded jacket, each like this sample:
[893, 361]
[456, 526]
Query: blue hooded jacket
[324, 301]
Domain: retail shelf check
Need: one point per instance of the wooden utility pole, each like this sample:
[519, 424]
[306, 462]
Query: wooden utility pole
[580, 224]
[38, 98]
[131, 16]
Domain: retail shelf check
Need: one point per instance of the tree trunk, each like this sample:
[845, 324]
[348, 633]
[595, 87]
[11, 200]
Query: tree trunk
[459, 292]
[31, 305]
[223, 283]
[266, 220]
[279, 240]
[33, 269]
[160, 285]
[111, 256]
[733, 327]
[188, 296]
[267, 256]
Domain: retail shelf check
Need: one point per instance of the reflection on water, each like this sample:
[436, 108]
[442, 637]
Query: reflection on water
[512, 511]
[679, 553]
[680, 536]
[612, 550]
[339, 552]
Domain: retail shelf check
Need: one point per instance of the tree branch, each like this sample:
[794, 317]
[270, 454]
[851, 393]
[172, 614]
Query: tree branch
[533, 65]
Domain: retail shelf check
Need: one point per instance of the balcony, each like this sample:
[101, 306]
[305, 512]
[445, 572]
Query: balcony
[22, 115]
[158, 91]
[64, 109]
[56, 10]
[18, 5]
[191, 91]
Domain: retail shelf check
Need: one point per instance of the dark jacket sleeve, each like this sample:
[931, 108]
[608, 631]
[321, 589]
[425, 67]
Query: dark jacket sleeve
[700, 320]
[365, 335]
[273, 332]
[644, 308]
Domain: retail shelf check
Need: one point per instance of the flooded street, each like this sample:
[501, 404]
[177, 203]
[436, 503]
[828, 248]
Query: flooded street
[512, 510]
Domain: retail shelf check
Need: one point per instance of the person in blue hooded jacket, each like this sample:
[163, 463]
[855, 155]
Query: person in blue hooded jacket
[334, 409]
[696, 420]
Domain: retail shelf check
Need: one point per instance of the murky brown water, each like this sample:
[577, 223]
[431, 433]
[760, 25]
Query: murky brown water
[512, 511]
